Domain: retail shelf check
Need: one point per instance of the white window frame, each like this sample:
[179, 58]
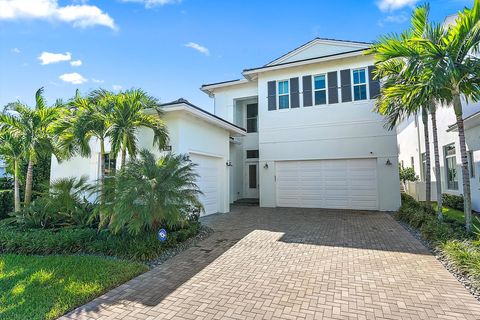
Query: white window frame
[251, 118]
[283, 94]
[446, 158]
[471, 164]
[315, 90]
[367, 89]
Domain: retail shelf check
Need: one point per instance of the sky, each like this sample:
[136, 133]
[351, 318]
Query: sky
[170, 48]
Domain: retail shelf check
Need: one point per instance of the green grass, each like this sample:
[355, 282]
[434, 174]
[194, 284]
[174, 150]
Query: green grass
[466, 256]
[45, 287]
[455, 214]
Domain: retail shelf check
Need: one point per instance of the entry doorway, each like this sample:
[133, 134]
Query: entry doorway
[251, 179]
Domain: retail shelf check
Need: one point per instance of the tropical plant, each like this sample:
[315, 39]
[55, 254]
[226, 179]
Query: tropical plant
[11, 150]
[454, 67]
[130, 112]
[407, 174]
[64, 204]
[33, 127]
[408, 88]
[150, 193]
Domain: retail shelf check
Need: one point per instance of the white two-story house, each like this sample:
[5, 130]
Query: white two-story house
[296, 132]
[312, 138]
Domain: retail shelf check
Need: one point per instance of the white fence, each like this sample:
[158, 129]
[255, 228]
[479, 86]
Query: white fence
[417, 190]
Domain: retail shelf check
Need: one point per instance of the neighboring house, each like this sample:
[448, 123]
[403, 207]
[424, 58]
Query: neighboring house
[311, 138]
[411, 144]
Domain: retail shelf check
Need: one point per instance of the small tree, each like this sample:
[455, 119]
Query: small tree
[407, 174]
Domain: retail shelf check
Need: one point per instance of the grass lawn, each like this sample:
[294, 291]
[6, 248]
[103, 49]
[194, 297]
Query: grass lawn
[45, 287]
[455, 214]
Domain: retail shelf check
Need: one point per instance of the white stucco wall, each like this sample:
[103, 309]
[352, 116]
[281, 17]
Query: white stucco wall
[412, 143]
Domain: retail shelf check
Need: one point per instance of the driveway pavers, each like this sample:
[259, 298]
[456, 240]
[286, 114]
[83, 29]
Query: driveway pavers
[285, 263]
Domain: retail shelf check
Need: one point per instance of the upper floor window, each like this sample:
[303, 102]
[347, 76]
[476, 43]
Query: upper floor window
[359, 85]
[451, 166]
[283, 94]
[252, 154]
[252, 117]
[320, 89]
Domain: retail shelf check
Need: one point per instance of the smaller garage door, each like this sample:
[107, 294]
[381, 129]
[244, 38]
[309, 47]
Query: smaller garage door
[208, 181]
[336, 184]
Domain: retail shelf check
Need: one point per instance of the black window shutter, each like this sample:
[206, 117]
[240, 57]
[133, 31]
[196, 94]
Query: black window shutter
[307, 91]
[294, 93]
[346, 81]
[272, 95]
[374, 84]
[332, 87]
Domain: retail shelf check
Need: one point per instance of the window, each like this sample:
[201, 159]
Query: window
[471, 164]
[252, 154]
[320, 89]
[412, 162]
[283, 95]
[110, 164]
[359, 85]
[401, 162]
[252, 176]
[451, 166]
[252, 115]
[424, 166]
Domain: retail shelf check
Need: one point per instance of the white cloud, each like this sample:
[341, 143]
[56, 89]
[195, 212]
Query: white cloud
[48, 57]
[76, 63]
[198, 47]
[80, 16]
[400, 18]
[73, 78]
[392, 5]
[97, 80]
[117, 87]
[16, 50]
[153, 3]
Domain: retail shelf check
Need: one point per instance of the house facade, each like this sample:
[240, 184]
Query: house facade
[296, 132]
[411, 144]
[312, 138]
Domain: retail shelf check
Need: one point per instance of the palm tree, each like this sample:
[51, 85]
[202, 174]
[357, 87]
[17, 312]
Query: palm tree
[34, 127]
[128, 116]
[455, 69]
[150, 193]
[409, 84]
[87, 118]
[11, 150]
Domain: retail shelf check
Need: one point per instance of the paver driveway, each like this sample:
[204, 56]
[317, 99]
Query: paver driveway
[294, 263]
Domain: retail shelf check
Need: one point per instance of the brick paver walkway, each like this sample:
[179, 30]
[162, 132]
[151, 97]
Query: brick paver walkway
[294, 263]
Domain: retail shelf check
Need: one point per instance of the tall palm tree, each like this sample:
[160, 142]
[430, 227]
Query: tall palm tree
[455, 69]
[35, 128]
[128, 116]
[11, 150]
[86, 119]
[401, 59]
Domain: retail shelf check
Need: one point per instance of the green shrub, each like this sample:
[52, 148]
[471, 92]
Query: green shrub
[64, 204]
[6, 197]
[453, 201]
[143, 247]
[407, 174]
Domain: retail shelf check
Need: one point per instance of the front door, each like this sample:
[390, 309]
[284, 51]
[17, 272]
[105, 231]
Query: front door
[251, 180]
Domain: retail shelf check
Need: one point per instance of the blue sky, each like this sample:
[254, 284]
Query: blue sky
[171, 47]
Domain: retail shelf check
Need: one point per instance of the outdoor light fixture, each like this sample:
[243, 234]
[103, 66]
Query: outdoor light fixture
[265, 166]
[388, 163]
[229, 163]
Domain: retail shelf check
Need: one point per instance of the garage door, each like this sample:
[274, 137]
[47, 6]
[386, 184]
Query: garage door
[338, 184]
[208, 181]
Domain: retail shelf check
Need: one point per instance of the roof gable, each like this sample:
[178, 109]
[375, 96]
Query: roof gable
[319, 47]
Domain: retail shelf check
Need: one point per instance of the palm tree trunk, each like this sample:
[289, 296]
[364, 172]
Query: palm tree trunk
[428, 177]
[467, 202]
[16, 186]
[433, 114]
[29, 183]
[124, 155]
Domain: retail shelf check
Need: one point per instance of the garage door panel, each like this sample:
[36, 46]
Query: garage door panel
[208, 170]
[342, 184]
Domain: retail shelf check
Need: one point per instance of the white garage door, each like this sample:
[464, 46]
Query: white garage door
[337, 184]
[208, 181]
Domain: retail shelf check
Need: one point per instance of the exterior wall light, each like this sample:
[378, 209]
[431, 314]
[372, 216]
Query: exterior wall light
[229, 163]
[265, 166]
[388, 163]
